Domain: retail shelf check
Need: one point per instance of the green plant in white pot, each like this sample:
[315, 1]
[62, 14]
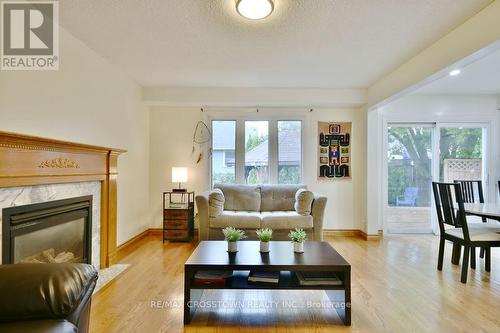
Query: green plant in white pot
[232, 236]
[264, 235]
[298, 237]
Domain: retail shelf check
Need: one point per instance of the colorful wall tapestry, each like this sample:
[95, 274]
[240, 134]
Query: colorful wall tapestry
[334, 150]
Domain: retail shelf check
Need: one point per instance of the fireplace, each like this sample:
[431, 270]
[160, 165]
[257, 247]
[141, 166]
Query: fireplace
[48, 232]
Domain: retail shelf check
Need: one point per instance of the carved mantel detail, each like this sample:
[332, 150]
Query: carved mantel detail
[61, 162]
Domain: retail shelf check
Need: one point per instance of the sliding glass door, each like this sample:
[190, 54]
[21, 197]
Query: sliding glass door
[419, 153]
[409, 176]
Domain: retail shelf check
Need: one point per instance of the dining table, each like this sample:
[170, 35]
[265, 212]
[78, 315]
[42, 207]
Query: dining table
[487, 210]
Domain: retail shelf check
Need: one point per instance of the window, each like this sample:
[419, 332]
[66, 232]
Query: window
[223, 151]
[257, 151]
[289, 152]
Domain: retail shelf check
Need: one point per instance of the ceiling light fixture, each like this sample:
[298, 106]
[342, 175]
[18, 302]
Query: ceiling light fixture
[455, 72]
[255, 9]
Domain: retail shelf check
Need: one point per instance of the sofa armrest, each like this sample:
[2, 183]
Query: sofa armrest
[318, 212]
[203, 224]
[44, 291]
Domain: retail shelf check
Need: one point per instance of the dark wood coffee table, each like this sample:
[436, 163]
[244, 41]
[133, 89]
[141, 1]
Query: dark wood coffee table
[317, 256]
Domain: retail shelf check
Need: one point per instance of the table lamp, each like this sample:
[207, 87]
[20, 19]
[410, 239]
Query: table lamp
[179, 175]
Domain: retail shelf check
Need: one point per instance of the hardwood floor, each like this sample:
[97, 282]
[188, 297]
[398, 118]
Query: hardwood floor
[395, 288]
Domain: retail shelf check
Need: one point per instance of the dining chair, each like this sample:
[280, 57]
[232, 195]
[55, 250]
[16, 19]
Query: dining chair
[472, 192]
[450, 212]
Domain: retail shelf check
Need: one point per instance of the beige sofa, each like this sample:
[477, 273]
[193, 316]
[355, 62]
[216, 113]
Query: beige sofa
[251, 207]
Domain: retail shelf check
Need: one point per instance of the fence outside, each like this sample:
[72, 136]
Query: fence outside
[462, 169]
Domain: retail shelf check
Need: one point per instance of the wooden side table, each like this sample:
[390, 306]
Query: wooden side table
[178, 216]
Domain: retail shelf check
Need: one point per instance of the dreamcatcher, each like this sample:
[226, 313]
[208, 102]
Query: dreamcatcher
[201, 136]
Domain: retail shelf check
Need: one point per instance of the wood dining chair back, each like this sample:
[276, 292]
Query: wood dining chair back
[445, 196]
[472, 190]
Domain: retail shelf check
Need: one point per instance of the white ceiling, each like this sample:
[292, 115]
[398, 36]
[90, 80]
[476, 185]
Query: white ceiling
[480, 77]
[304, 43]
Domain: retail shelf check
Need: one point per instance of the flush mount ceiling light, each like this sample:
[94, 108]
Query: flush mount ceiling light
[455, 72]
[255, 9]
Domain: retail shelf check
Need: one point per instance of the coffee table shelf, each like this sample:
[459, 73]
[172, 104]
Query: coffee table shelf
[286, 281]
[317, 256]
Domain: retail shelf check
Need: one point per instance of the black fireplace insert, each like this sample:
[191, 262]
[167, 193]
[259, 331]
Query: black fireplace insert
[48, 232]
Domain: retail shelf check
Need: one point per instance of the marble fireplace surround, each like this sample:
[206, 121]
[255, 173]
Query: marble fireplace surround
[34, 169]
[24, 195]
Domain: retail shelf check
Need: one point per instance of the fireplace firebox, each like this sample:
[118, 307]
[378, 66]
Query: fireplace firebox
[49, 232]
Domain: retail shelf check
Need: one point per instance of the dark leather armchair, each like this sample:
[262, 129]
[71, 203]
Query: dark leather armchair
[46, 297]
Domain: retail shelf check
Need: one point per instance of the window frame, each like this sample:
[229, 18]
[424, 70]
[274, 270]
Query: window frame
[273, 149]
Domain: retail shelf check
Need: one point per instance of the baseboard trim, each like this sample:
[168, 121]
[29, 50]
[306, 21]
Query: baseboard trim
[371, 237]
[122, 250]
[155, 231]
[350, 233]
[342, 232]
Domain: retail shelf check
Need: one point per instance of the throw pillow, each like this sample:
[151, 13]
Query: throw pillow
[215, 203]
[303, 201]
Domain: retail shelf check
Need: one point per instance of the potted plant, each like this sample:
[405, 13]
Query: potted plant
[264, 236]
[232, 236]
[298, 236]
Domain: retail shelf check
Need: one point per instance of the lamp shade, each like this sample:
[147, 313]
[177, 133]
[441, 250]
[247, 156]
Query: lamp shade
[179, 175]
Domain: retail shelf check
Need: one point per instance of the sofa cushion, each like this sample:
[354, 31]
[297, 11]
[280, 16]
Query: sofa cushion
[240, 197]
[215, 203]
[278, 197]
[237, 219]
[303, 202]
[286, 220]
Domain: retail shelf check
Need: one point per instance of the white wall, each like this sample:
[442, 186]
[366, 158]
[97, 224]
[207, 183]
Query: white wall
[250, 97]
[86, 101]
[171, 135]
[468, 42]
[170, 145]
[346, 207]
[428, 108]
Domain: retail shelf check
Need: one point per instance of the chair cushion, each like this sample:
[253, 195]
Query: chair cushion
[478, 232]
[303, 202]
[278, 197]
[215, 202]
[240, 197]
[286, 220]
[237, 219]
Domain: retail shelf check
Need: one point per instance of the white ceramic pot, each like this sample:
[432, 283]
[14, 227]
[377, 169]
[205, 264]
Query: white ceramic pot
[264, 247]
[232, 246]
[298, 247]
